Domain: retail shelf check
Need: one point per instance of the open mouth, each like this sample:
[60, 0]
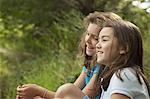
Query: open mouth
[90, 47]
[99, 52]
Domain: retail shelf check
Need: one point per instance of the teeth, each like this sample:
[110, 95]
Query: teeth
[90, 47]
[100, 52]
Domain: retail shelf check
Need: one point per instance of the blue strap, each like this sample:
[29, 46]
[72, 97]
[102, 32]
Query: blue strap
[89, 73]
[84, 69]
[96, 69]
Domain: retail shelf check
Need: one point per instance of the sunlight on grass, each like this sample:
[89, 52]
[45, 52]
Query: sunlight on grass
[4, 71]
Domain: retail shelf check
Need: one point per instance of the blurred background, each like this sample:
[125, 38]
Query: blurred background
[39, 38]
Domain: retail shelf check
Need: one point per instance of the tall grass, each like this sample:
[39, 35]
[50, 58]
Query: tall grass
[47, 71]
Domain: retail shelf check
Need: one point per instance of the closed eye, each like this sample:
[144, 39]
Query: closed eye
[104, 40]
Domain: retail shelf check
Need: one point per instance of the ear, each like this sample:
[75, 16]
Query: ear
[123, 50]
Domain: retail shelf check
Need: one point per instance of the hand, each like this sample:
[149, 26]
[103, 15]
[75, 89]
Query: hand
[37, 97]
[18, 97]
[28, 90]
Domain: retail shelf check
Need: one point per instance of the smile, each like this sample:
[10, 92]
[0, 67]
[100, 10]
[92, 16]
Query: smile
[99, 52]
[90, 47]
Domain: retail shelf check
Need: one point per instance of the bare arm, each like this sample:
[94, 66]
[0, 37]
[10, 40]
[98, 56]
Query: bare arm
[80, 82]
[33, 90]
[90, 86]
[119, 96]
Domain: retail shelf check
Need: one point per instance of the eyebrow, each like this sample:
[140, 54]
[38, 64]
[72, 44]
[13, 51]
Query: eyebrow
[105, 36]
[92, 33]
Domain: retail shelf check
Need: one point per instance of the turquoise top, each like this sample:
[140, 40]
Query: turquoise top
[89, 73]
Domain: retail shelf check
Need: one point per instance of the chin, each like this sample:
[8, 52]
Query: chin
[89, 53]
[100, 61]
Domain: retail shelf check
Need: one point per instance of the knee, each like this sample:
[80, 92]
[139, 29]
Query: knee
[64, 90]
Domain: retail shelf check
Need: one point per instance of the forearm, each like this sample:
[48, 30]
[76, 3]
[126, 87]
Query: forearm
[89, 88]
[80, 82]
[45, 93]
[49, 95]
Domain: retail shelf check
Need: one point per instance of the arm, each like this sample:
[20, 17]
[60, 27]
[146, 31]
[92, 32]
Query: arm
[119, 96]
[33, 90]
[80, 82]
[88, 89]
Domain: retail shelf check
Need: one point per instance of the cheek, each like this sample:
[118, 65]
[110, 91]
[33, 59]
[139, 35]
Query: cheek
[114, 54]
[86, 38]
[94, 42]
[108, 52]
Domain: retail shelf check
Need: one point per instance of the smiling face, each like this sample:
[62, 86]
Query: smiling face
[91, 38]
[107, 47]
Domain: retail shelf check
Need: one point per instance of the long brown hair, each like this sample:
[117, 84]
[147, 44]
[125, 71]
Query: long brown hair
[97, 18]
[129, 37]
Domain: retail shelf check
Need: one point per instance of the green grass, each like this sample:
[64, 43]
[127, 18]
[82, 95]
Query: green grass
[48, 71]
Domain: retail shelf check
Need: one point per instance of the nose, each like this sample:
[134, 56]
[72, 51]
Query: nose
[98, 46]
[89, 39]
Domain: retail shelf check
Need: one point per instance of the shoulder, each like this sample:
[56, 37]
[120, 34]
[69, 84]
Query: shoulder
[127, 75]
[128, 79]
[129, 85]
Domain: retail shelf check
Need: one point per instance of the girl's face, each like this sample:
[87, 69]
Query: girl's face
[91, 38]
[107, 47]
